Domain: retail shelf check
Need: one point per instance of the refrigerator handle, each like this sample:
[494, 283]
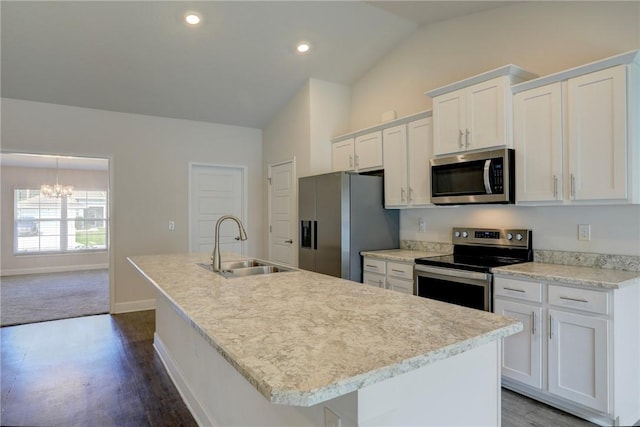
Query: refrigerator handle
[315, 234]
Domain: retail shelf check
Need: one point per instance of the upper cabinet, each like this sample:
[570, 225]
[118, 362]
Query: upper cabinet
[407, 150]
[475, 113]
[576, 135]
[361, 153]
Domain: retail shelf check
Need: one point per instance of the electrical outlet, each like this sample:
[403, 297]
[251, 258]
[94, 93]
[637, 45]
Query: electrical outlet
[421, 225]
[584, 231]
[331, 419]
[172, 225]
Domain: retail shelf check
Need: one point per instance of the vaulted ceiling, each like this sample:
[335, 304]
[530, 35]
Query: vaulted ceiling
[238, 66]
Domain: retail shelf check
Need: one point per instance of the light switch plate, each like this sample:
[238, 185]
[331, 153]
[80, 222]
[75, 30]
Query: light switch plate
[172, 225]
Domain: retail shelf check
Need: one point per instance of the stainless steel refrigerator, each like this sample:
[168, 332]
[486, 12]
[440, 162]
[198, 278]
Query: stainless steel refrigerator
[341, 214]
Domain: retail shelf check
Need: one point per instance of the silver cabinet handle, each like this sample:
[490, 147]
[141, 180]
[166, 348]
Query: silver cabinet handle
[402, 192]
[468, 139]
[357, 160]
[487, 182]
[289, 241]
[350, 161]
[555, 187]
[550, 327]
[574, 299]
[573, 186]
[380, 283]
[533, 323]
[397, 271]
[371, 266]
[515, 290]
[410, 194]
[460, 139]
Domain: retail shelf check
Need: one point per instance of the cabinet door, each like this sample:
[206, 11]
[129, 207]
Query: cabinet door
[486, 114]
[578, 359]
[537, 117]
[420, 148]
[377, 280]
[449, 123]
[399, 285]
[394, 142]
[342, 155]
[522, 352]
[369, 151]
[597, 135]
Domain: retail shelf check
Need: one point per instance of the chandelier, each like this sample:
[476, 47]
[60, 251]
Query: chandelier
[56, 190]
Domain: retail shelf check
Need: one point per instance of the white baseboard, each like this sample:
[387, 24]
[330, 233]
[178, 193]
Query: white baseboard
[127, 307]
[176, 376]
[60, 269]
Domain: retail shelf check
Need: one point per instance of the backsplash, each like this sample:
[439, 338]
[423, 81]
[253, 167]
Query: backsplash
[584, 259]
[418, 245]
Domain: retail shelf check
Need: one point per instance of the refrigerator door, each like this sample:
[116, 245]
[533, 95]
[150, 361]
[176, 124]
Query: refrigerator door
[328, 213]
[306, 222]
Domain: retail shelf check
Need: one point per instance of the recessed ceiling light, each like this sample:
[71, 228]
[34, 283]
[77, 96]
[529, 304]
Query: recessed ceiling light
[303, 47]
[192, 18]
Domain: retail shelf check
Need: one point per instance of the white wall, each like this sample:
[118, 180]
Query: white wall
[303, 129]
[542, 37]
[21, 178]
[149, 175]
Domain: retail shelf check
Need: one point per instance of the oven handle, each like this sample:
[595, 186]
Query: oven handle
[453, 272]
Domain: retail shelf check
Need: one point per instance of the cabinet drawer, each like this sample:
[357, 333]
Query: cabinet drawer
[373, 279]
[401, 271]
[518, 289]
[374, 265]
[405, 286]
[579, 299]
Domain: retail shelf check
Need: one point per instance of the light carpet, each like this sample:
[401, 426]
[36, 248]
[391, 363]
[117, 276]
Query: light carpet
[40, 297]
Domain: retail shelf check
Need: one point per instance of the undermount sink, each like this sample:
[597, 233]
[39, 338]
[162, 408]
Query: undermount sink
[243, 268]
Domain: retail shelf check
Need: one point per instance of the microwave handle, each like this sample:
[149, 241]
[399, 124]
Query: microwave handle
[487, 183]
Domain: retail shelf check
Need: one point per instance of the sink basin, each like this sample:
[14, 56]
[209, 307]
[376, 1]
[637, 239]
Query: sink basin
[250, 267]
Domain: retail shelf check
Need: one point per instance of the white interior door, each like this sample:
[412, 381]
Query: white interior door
[282, 214]
[216, 191]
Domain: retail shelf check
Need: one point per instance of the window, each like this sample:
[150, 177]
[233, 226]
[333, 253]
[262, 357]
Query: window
[49, 225]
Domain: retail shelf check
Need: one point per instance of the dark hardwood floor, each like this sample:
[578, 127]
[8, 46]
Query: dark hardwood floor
[102, 371]
[87, 371]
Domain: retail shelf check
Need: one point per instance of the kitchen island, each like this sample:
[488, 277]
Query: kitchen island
[301, 348]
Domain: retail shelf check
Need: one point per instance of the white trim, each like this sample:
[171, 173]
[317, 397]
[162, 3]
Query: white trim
[623, 58]
[385, 125]
[245, 198]
[194, 406]
[60, 269]
[515, 73]
[130, 306]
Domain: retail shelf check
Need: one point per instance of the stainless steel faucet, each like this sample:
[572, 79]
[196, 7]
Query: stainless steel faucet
[215, 258]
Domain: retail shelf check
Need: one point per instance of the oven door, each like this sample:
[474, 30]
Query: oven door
[468, 288]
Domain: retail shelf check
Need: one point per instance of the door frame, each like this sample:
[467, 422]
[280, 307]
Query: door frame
[245, 198]
[294, 197]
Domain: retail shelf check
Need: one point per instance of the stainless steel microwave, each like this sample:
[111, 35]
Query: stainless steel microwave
[468, 178]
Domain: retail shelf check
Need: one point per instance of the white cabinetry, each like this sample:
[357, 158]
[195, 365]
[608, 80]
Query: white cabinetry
[394, 275]
[522, 352]
[578, 349]
[342, 155]
[361, 153]
[576, 135]
[475, 113]
[407, 150]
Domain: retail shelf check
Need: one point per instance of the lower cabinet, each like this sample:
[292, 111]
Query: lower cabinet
[394, 275]
[566, 354]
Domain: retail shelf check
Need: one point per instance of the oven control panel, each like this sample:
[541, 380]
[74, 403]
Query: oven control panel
[491, 237]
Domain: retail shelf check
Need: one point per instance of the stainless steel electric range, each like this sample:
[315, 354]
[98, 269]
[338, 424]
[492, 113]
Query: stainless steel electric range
[465, 277]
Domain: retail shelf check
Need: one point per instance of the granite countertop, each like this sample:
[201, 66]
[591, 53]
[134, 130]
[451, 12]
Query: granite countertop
[572, 275]
[301, 338]
[403, 255]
